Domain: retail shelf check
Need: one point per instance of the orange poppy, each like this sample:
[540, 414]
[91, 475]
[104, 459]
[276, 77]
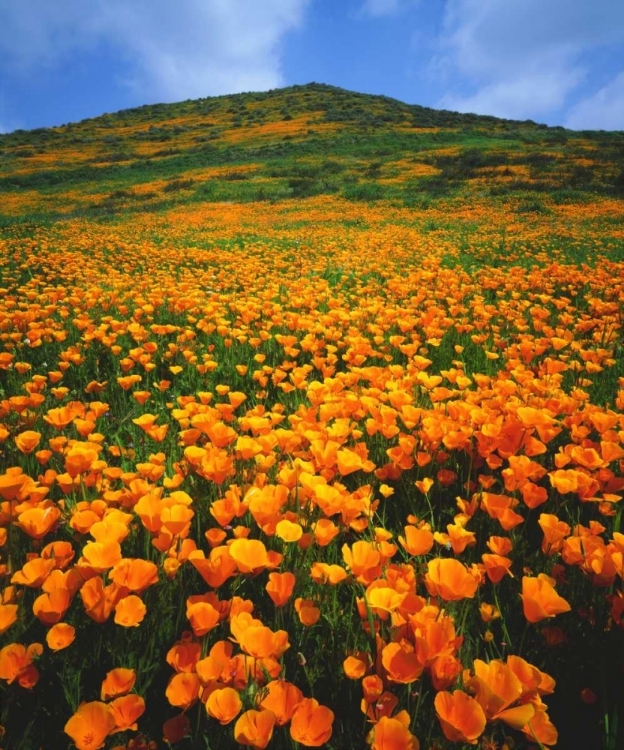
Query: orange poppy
[8, 615]
[311, 723]
[37, 522]
[118, 681]
[393, 734]
[417, 541]
[16, 663]
[90, 725]
[126, 710]
[134, 574]
[282, 698]
[321, 572]
[540, 600]
[183, 690]
[60, 636]
[34, 573]
[27, 441]
[130, 611]
[176, 728]
[255, 728]
[184, 655]
[496, 689]
[309, 614]
[280, 587]
[202, 616]
[224, 705]
[401, 662]
[461, 717]
[449, 579]
[250, 555]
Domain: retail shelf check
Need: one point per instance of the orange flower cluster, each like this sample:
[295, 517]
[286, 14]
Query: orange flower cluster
[241, 454]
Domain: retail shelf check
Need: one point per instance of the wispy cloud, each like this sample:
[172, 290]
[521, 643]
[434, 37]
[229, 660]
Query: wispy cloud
[602, 111]
[172, 51]
[522, 58]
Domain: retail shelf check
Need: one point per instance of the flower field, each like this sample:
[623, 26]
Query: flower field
[321, 473]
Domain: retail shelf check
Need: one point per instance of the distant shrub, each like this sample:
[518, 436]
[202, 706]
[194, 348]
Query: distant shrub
[176, 185]
[363, 191]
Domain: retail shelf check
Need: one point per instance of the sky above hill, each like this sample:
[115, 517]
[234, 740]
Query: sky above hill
[555, 61]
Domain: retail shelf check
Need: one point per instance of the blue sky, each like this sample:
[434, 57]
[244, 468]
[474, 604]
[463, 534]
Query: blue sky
[555, 61]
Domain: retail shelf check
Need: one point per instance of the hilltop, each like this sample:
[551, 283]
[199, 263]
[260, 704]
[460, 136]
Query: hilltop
[295, 143]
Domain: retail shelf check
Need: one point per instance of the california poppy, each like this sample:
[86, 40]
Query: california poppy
[280, 587]
[461, 717]
[90, 725]
[118, 681]
[282, 698]
[449, 579]
[130, 611]
[126, 710]
[311, 724]
[60, 636]
[393, 734]
[540, 600]
[224, 704]
[255, 728]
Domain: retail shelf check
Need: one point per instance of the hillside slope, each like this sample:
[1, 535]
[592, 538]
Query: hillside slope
[299, 142]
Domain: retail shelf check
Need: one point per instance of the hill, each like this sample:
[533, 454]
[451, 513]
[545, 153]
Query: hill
[311, 429]
[295, 143]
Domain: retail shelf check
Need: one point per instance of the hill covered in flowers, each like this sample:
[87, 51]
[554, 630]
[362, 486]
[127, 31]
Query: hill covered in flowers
[311, 429]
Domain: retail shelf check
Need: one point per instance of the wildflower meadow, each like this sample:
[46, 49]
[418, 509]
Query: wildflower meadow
[329, 470]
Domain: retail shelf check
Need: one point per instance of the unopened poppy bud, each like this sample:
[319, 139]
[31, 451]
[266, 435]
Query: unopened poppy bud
[170, 567]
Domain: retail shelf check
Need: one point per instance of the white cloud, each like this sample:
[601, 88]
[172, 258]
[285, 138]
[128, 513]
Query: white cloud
[175, 51]
[523, 58]
[519, 98]
[602, 111]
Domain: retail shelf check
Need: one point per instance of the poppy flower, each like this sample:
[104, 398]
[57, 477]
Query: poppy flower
[118, 681]
[321, 572]
[126, 710]
[282, 698]
[27, 441]
[183, 690]
[362, 558]
[401, 663]
[311, 724]
[176, 728]
[255, 728]
[250, 555]
[60, 636]
[134, 574]
[416, 541]
[461, 717]
[356, 665]
[261, 642]
[224, 705]
[16, 663]
[90, 725]
[496, 689]
[449, 579]
[203, 617]
[309, 614]
[540, 600]
[393, 734]
[288, 531]
[280, 587]
[130, 611]
[8, 615]
[33, 573]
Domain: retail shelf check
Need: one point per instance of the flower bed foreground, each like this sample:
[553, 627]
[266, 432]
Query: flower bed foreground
[245, 501]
